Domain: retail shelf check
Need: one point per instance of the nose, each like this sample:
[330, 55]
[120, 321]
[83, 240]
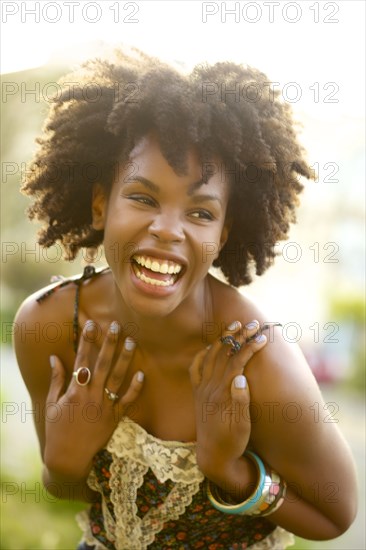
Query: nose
[167, 227]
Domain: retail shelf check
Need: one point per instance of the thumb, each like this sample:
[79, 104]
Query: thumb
[240, 394]
[240, 389]
[58, 378]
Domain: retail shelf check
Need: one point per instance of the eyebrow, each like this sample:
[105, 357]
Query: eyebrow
[192, 188]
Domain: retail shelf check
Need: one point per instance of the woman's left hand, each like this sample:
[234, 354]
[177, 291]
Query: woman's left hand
[222, 397]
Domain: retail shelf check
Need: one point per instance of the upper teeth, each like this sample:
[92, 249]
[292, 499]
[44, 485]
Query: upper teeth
[159, 266]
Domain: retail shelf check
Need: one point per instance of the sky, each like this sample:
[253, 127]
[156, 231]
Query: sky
[305, 42]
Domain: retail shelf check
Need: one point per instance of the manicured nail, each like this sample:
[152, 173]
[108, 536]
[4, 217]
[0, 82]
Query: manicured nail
[252, 325]
[89, 325]
[114, 328]
[129, 344]
[140, 376]
[240, 382]
[235, 325]
[260, 338]
[52, 361]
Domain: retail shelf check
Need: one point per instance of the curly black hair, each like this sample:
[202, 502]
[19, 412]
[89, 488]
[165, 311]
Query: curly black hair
[226, 111]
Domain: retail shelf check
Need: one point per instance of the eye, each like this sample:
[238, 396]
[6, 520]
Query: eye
[202, 214]
[143, 199]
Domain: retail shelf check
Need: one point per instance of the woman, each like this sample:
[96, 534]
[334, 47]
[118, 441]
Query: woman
[167, 405]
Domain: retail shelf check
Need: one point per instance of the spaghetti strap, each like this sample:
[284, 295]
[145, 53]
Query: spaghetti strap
[88, 273]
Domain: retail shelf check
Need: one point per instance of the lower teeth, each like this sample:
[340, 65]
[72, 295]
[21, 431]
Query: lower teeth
[154, 282]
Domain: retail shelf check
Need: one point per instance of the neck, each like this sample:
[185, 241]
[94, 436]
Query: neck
[184, 328]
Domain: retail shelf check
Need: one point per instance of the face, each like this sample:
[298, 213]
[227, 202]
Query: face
[161, 231]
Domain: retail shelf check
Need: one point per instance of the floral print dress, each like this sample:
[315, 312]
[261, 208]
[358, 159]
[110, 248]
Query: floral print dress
[153, 495]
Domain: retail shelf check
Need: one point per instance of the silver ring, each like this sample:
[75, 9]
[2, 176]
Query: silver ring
[111, 395]
[82, 376]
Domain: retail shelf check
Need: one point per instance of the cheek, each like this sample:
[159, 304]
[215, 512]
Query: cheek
[118, 246]
[208, 247]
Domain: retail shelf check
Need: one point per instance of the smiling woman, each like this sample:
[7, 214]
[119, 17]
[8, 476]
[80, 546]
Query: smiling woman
[165, 441]
[169, 222]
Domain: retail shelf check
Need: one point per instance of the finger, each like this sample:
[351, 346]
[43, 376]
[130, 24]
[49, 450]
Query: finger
[58, 380]
[250, 330]
[242, 334]
[252, 348]
[240, 394]
[195, 370]
[242, 358]
[117, 374]
[211, 366]
[106, 354]
[240, 389]
[134, 389]
[89, 336]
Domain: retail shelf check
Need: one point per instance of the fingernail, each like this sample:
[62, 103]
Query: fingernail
[52, 361]
[140, 376]
[235, 325]
[240, 382]
[89, 325]
[114, 327]
[260, 338]
[129, 344]
[252, 325]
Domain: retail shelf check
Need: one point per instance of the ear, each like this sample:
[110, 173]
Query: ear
[99, 206]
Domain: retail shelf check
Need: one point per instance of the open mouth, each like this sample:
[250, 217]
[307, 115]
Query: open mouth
[155, 271]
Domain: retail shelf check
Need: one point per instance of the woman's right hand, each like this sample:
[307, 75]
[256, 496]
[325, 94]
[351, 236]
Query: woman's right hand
[80, 421]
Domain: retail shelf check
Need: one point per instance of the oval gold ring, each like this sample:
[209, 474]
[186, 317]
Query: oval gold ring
[82, 376]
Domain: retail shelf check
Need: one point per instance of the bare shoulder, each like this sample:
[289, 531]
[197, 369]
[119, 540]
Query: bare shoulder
[44, 320]
[280, 363]
[232, 305]
[43, 327]
[44, 323]
[43, 316]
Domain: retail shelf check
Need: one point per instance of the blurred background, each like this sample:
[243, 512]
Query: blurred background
[314, 52]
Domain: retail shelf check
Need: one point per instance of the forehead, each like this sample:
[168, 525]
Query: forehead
[146, 159]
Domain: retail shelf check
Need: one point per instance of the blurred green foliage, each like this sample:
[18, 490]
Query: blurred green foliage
[350, 310]
[27, 96]
[32, 520]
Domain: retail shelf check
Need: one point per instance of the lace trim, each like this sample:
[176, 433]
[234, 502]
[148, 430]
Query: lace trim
[82, 519]
[173, 460]
[134, 451]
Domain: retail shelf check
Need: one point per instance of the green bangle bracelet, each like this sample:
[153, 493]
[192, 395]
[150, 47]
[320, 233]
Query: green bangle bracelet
[248, 504]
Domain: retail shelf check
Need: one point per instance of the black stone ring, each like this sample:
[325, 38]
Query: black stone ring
[235, 345]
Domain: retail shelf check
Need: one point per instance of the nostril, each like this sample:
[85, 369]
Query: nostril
[168, 232]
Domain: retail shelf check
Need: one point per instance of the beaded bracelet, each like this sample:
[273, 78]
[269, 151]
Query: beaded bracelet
[266, 499]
